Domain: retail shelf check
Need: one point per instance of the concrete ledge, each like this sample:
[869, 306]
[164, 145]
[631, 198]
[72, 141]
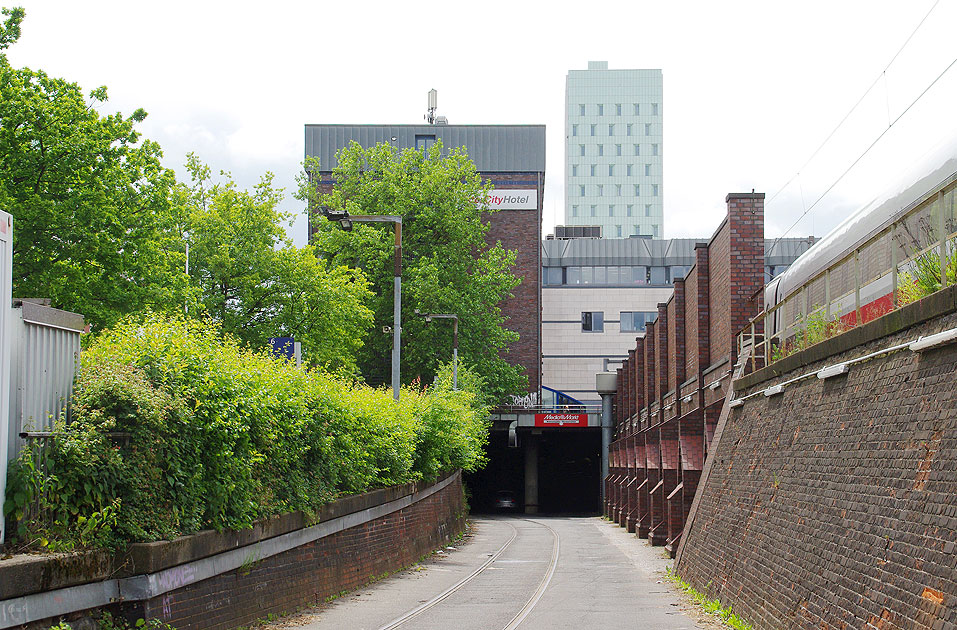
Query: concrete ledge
[941, 303]
[28, 574]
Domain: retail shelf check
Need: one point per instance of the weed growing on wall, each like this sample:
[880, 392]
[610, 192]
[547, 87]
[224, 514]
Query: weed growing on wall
[176, 428]
[923, 277]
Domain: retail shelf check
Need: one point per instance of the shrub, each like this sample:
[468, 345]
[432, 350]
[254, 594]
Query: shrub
[176, 428]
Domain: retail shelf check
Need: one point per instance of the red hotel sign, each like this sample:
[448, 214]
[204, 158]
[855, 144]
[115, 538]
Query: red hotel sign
[561, 419]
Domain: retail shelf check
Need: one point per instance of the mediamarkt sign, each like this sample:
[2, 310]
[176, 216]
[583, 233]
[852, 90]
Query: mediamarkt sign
[500, 199]
[561, 419]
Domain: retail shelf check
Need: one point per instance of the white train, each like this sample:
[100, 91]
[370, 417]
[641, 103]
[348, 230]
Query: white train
[891, 231]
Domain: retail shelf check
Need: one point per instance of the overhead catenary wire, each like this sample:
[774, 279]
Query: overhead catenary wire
[880, 76]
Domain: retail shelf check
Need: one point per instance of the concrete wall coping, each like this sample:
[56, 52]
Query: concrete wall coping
[934, 305]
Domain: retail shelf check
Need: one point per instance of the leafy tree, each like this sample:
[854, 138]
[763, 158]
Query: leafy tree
[255, 283]
[90, 200]
[447, 265]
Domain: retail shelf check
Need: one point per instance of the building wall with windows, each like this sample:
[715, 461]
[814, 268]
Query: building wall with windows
[614, 150]
[597, 295]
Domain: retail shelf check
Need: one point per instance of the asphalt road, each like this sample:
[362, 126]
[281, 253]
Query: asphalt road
[532, 573]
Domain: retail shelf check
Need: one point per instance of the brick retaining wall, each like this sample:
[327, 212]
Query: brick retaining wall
[834, 504]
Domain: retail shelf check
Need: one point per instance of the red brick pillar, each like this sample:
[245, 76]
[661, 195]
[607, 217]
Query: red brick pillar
[650, 362]
[746, 223]
[661, 358]
[676, 338]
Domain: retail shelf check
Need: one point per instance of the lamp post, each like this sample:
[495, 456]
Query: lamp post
[345, 221]
[455, 341]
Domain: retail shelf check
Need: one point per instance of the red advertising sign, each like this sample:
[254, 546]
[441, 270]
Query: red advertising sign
[561, 419]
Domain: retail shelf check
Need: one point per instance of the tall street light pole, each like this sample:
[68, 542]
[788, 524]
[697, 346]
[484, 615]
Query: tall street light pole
[455, 341]
[345, 221]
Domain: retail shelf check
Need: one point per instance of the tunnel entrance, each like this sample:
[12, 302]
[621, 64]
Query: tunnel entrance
[561, 466]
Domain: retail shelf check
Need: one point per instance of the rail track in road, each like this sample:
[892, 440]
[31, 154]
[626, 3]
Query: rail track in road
[530, 602]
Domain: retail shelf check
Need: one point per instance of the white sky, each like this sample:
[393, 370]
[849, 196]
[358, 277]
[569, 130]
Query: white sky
[751, 89]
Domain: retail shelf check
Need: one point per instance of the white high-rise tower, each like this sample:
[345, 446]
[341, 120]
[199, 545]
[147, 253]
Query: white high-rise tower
[614, 150]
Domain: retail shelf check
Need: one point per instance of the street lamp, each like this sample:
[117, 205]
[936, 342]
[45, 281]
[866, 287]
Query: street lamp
[455, 341]
[345, 221]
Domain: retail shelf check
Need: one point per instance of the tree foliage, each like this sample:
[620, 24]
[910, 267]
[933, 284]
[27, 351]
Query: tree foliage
[448, 267]
[90, 198]
[256, 284]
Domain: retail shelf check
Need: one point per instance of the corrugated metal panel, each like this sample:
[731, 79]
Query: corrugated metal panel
[591, 252]
[6, 283]
[493, 148]
[45, 351]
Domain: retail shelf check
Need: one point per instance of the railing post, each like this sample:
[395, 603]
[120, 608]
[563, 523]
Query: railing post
[942, 228]
[857, 287]
[753, 347]
[827, 293]
[894, 265]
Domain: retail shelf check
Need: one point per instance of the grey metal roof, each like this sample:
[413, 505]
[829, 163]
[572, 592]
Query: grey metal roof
[493, 148]
[589, 252]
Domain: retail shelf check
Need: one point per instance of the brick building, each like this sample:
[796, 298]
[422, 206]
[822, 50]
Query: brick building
[512, 158]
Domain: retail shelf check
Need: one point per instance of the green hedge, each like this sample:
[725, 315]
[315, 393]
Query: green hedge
[176, 429]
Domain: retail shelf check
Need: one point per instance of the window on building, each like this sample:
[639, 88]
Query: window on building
[629, 209]
[628, 170]
[654, 190]
[618, 234]
[678, 272]
[424, 142]
[594, 211]
[611, 130]
[647, 169]
[617, 149]
[637, 232]
[611, 210]
[593, 127]
[581, 149]
[611, 170]
[573, 275]
[601, 110]
[637, 110]
[581, 191]
[601, 149]
[647, 129]
[628, 129]
[618, 109]
[637, 149]
[657, 275]
[574, 170]
[654, 149]
[593, 321]
[647, 209]
[654, 109]
[574, 130]
[654, 231]
[592, 170]
[634, 321]
[581, 110]
[637, 190]
[574, 211]
[552, 276]
[601, 190]
[618, 190]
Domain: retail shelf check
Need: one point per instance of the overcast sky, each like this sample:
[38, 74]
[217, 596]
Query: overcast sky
[751, 89]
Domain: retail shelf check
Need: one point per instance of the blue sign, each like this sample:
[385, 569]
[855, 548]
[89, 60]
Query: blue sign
[283, 346]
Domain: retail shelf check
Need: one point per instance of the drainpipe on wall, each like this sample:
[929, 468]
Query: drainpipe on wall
[607, 384]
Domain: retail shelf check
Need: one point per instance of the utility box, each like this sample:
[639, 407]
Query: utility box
[6, 293]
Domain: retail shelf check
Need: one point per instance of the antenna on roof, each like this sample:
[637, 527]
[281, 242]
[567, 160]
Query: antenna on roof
[433, 101]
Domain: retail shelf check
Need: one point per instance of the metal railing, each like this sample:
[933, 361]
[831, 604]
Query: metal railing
[864, 283]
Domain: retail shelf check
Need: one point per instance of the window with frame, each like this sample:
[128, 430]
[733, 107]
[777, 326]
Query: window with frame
[617, 149]
[654, 109]
[628, 129]
[618, 190]
[648, 169]
[574, 130]
[647, 209]
[601, 149]
[594, 210]
[574, 170]
[654, 190]
[593, 127]
[593, 321]
[601, 109]
[637, 109]
[611, 210]
[581, 110]
[617, 232]
[617, 109]
[611, 130]
[424, 142]
[611, 170]
[594, 167]
[654, 149]
[637, 149]
[647, 129]
[628, 170]
[581, 191]
[629, 209]
[601, 190]
[574, 211]
[581, 150]
[634, 321]
[637, 190]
